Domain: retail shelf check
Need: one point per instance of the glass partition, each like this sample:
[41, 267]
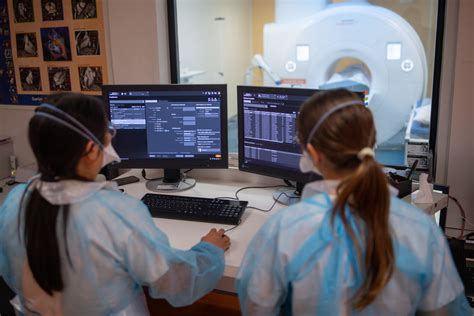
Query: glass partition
[385, 47]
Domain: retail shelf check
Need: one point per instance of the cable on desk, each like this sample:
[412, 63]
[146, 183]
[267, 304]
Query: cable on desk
[456, 228]
[273, 205]
[233, 227]
[258, 187]
[288, 184]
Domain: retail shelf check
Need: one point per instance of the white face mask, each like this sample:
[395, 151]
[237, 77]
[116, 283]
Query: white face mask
[307, 165]
[110, 155]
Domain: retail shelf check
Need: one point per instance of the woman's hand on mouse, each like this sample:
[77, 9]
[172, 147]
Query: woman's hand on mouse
[217, 238]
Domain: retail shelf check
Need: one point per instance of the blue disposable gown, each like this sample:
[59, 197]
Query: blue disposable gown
[115, 249]
[301, 264]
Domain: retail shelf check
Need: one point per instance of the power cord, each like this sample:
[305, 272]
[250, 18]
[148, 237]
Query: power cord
[233, 227]
[273, 205]
[463, 217]
[456, 228]
[288, 184]
[260, 187]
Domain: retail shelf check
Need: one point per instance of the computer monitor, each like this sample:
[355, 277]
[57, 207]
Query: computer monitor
[169, 127]
[267, 134]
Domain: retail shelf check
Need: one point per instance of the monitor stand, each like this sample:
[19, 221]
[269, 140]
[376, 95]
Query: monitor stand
[287, 196]
[172, 181]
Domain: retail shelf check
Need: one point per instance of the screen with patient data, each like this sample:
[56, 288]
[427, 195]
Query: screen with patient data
[169, 126]
[270, 129]
[267, 131]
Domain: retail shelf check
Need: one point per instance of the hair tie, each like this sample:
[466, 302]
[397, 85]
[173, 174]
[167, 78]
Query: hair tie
[364, 152]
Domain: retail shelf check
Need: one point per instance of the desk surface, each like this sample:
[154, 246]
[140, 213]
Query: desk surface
[211, 184]
[185, 234]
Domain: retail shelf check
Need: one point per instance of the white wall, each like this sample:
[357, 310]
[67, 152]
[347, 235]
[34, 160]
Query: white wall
[214, 36]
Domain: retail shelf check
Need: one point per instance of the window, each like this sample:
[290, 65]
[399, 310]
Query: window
[386, 47]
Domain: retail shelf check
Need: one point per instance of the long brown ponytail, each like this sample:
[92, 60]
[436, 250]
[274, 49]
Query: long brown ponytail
[364, 189]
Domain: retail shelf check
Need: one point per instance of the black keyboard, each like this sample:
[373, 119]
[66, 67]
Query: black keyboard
[195, 209]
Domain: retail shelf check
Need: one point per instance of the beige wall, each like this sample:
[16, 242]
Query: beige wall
[14, 123]
[133, 41]
[460, 171]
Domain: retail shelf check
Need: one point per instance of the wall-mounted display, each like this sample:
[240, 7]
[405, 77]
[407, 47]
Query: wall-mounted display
[26, 45]
[56, 44]
[87, 43]
[52, 10]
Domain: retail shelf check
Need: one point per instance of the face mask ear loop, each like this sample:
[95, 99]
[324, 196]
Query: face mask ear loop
[68, 125]
[79, 125]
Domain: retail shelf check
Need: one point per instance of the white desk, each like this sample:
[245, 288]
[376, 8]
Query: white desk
[224, 183]
[185, 234]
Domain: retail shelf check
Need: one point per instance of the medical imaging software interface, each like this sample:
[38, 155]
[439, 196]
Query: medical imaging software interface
[167, 124]
[270, 129]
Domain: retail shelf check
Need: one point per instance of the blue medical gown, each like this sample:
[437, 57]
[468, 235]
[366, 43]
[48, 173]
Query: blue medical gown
[115, 249]
[299, 263]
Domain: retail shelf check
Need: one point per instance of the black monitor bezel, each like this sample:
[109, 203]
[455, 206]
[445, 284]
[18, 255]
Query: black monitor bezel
[161, 163]
[275, 172]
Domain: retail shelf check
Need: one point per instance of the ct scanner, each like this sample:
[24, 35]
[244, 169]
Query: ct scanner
[317, 44]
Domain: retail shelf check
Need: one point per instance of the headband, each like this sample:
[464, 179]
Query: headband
[328, 114]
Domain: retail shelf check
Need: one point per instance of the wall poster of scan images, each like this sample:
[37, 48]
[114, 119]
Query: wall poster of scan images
[58, 45]
[52, 10]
